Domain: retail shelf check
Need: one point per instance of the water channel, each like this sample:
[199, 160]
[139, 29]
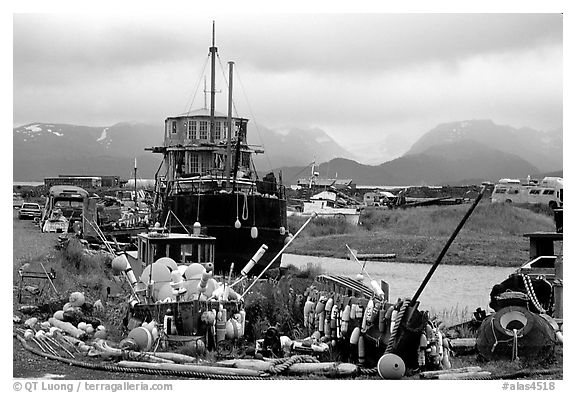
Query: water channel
[451, 287]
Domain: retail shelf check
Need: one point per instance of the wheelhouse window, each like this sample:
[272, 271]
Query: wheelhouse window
[236, 128]
[203, 129]
[194, 167]
[174, 128]
[500, 191]
[534, 192]
[548, 192]
[191, 129]
[217, 130]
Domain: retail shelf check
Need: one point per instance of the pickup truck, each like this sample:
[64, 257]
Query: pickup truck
[30, 210]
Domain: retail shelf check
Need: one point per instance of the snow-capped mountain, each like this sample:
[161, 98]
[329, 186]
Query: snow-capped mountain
[541, 149]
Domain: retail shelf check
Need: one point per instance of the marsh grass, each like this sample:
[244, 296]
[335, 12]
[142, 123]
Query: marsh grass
[84, 268]
[279, 303]
[451, 316]
[418, 234]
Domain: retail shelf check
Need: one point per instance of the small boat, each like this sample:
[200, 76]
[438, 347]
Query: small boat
[327, 205]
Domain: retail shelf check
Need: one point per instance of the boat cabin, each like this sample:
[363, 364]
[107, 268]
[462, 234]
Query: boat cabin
[181, 247]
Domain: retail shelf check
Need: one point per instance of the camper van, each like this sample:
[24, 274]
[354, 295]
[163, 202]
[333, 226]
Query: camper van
[549, 191]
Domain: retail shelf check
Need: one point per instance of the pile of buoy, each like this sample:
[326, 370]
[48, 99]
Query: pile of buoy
[165, 281]
[365, 326]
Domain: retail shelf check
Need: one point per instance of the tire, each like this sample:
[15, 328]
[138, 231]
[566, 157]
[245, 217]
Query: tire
[508, 201]
[552, 204]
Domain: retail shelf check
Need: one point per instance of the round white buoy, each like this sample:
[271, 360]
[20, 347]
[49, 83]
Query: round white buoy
[194, 271]
[160, 273]
[120, 264]
[282, 231]
[59, 315]
[168, 262]
[76, 299]
[237, 224]
[254, 232]
[391, 366]
[142, 337]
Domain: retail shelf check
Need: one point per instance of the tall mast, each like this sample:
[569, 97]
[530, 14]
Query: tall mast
[229, 136]
[213, 52]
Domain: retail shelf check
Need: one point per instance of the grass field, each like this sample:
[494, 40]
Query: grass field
[492, 236]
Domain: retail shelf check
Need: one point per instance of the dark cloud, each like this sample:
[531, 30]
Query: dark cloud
[379, 73]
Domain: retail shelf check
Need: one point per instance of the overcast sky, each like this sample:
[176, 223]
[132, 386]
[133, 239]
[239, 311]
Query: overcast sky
[366, 79]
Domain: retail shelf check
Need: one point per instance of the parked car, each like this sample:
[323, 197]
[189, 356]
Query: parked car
[30, 210]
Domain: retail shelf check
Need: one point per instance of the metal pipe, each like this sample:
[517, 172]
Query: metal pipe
[229, 133]
[213, 52]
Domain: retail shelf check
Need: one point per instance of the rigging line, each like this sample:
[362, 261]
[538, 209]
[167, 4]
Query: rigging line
[253, 117]
[197, 85]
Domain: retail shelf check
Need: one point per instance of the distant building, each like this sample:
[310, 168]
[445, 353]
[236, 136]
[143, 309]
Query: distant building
[79, 181]
[84, 181]
[107, 181]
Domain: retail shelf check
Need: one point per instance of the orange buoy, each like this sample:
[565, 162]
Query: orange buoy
[142, 337]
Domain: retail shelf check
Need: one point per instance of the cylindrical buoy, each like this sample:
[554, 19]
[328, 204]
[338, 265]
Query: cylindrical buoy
[345, 319]
[355, 336]
[204, 282]
[320, 319]
[393, 319]
[422, 350]
[307, 309]
[220, 331]
[196, 228]
[391, 366]
[328, 307]
[232, 329]
[254, 260]
[353, 308]
[327, 330]
[377, 289]
[359, 312]
[320, 305]
[367, 315]
[242, 322]
[446, 354]
[361, 350]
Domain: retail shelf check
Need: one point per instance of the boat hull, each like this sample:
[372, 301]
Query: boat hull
[217, 214]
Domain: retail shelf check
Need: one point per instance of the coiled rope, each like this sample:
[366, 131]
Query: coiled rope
[280, 365]
[116, 368]
[399, 316]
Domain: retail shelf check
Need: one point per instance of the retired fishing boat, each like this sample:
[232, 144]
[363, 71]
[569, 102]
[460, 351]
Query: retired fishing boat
[210, 184]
